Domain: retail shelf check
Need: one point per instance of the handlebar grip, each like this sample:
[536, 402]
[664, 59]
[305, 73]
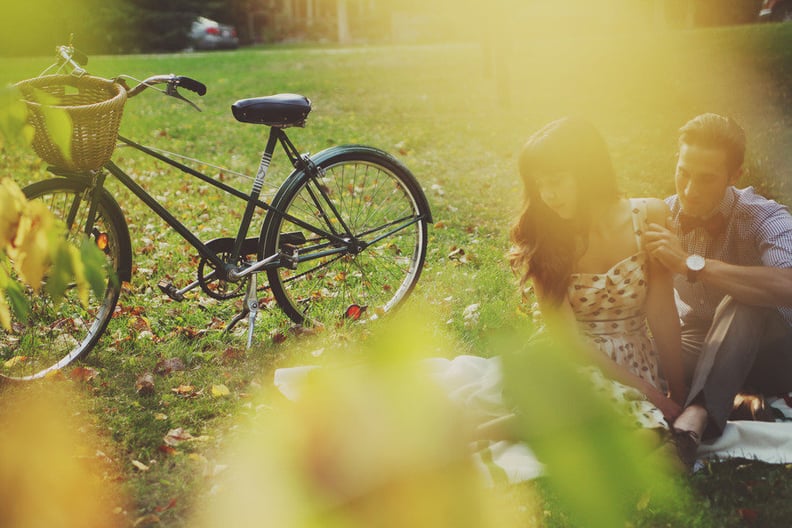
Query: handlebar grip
[192, 85]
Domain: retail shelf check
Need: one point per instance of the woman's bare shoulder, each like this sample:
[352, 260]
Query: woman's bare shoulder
[656, 209]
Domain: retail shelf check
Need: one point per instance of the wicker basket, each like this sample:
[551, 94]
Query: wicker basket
[95, 106]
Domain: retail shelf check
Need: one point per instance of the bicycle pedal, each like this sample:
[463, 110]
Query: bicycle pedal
[289, 256]
[170, 290]
[292, 239]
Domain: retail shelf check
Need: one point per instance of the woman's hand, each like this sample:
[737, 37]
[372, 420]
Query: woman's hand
[670, 409]
[664, 247]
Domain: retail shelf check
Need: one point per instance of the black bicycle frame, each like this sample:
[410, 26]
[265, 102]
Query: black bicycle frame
[253, 200]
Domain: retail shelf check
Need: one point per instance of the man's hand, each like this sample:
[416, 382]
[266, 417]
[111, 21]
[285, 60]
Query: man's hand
[664, 247]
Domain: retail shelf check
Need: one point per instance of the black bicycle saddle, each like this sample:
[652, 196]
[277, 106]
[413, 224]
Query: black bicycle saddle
[282, 110]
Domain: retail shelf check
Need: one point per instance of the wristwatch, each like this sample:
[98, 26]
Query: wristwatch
[695, 263]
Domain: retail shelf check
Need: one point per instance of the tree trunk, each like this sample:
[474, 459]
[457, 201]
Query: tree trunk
[343, 21]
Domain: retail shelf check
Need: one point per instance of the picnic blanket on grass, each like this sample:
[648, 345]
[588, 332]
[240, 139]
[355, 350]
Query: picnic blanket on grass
[475, 383]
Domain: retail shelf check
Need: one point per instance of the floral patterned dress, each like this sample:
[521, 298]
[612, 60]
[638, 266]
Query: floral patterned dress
[610, 312]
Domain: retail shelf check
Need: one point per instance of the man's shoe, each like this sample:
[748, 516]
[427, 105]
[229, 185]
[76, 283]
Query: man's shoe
[686, 443]
[751, 407]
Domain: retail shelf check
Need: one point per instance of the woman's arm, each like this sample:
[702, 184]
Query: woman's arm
[663, 318]
[561, 321]
[661, 314]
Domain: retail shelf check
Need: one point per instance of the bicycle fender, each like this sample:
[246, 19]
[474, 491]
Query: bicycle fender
[360, 150]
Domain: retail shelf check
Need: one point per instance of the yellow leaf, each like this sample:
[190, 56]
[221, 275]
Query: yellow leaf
[140, 465]
[13, 201]
[78, 269]
[14, 361]
[32, 247]
[198, 458]
[5, 312]
[219, 391]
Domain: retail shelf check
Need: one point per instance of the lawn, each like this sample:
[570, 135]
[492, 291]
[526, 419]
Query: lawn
[458, 127]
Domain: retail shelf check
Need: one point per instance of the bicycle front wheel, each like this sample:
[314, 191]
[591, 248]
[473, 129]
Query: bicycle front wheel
[376, 208]
[57, 332]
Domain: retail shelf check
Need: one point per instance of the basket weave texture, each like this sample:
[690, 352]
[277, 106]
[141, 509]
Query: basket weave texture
[95, 106]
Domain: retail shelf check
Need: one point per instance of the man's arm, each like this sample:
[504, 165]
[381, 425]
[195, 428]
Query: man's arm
[753, 285]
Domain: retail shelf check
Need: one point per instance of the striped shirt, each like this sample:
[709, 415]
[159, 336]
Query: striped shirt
[758, 233]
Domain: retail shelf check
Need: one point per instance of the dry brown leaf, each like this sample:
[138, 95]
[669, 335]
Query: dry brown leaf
[177, 436]
[83, 374]
[184, 390]
[168, 365]
[145, 384]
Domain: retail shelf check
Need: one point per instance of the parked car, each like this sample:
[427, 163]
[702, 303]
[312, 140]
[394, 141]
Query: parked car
[776, 11]
[206, 34]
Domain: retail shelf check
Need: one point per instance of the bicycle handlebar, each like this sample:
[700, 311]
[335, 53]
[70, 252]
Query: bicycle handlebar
[171, 80]
[77, 60]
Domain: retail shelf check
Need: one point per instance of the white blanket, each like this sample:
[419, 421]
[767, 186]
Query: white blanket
[475, 383]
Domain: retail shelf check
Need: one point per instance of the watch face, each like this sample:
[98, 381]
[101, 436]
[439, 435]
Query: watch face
[695, 262]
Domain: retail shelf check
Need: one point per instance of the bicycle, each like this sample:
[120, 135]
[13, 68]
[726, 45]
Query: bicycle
[343, 239]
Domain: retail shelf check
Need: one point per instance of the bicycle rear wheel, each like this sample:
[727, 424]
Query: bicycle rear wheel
[363, 195]
[59, 332]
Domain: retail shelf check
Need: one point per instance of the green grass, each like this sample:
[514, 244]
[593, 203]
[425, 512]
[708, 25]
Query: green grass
[443, 117]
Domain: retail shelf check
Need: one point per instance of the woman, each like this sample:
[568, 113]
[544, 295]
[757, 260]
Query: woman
[579, 244]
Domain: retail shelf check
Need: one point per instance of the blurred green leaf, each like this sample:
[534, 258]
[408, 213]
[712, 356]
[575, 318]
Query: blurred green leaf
[18, 300]
[61, 272]
[13, 116]
[597, 461]
[58, 121]
[94, 261]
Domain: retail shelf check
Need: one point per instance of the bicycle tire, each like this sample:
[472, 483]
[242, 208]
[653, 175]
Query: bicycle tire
[381, 202]
[57, 334]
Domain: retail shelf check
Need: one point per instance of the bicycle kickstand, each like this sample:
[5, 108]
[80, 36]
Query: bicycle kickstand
[250, 310]
[251, 301]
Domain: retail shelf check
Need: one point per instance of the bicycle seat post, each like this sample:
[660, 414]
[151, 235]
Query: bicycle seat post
[258, 183]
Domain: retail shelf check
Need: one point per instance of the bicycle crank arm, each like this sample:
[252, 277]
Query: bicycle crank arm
[236, 274]
[171, 291]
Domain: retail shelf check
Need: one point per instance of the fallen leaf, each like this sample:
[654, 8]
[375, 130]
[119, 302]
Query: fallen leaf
[171, 504]
[184, 390]
[83, 374]
[140, 465]
[232, 354]
[168, 450]
[14, 361]
[471, 314]
[278, 337]
[458, 254]
[145, 384]
[168, 365]
[177, 436]
[161, 416]
[218, 391]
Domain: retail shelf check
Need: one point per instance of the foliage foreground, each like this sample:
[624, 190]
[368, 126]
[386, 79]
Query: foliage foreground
[168, 410]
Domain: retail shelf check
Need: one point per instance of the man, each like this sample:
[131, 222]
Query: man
[732, 252]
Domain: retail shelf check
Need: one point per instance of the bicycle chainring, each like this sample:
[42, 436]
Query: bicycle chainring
[219, 288]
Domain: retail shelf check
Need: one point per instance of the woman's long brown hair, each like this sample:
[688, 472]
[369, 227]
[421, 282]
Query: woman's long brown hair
[545, 246]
